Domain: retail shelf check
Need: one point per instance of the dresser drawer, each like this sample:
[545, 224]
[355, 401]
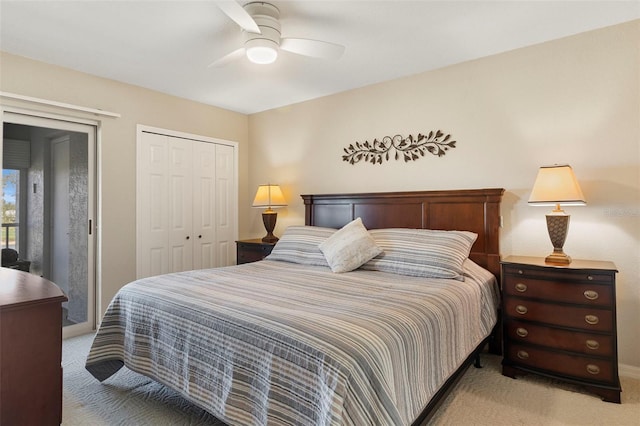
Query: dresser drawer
[579, 367]
[578, 293]
[585, 343]
[585, 318]
[551, 274]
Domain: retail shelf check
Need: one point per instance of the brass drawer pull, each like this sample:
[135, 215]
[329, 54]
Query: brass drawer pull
[522, 332]
[593, 344]
[593, 369]
[591, 294]
[521, 309]
[591, 319]
[521, 288]
[525, 355]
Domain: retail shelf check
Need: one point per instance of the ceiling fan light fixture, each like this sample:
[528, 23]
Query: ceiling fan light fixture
[262, 46]
[261, 51]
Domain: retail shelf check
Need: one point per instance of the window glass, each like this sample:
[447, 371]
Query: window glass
[10, 206]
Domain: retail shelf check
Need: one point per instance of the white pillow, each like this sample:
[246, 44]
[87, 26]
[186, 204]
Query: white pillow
[349, 247]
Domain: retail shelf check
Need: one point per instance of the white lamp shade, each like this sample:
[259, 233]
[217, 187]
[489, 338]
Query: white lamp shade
[556, 185]
[269, 196]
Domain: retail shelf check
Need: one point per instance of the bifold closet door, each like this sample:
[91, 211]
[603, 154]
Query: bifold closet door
[204, 202]
[152, 206]
[164, 205]
[186, 204]
[181, 162]
[225, 205]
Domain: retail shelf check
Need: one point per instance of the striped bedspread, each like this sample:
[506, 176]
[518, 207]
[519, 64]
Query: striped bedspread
[279, 343]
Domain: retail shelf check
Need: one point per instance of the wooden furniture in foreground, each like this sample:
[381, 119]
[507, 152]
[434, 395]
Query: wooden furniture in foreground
[248, 251]
[475, 210]
[30, 349]
[560, 321]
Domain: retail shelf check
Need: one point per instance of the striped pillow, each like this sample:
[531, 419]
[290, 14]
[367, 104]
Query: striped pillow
[421, 252]
[299, 244]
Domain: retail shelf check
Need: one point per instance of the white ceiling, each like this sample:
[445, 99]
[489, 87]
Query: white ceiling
[167, 45]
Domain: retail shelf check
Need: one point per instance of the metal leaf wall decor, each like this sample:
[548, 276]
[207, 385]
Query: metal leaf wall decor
[410, 148]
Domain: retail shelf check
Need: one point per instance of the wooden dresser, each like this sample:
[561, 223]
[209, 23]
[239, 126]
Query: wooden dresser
[560, 321]
[30, 349]
[248, 251]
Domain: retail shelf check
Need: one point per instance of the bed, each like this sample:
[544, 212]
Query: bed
[288, 341]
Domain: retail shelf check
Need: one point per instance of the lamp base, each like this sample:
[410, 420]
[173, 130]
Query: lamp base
[269, 218]
[558, 225]
[559, 258]
[270, 238]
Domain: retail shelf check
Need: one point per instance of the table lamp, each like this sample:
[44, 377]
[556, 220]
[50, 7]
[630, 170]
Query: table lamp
[557, 186]
[269, 196]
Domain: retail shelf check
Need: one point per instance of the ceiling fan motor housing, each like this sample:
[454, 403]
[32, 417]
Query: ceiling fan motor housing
[266, 17]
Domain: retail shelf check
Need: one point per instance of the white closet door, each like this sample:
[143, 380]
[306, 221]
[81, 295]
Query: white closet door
[204, 199]
[180, 204]
[152, 201]
[226, 205]
[186, 203]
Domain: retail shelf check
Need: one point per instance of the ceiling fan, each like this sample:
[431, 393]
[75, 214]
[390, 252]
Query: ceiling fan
[262, 38]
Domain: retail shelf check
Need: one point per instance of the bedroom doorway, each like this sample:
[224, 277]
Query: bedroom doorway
[49, 181]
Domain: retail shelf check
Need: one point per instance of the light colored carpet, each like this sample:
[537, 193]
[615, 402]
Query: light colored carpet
[482, 397]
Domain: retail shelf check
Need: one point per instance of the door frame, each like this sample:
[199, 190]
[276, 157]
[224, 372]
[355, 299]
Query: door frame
[56, 237]
[37, 118]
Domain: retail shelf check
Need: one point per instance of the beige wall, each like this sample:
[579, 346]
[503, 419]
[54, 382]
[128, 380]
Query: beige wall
[117, 151]
[575, 100]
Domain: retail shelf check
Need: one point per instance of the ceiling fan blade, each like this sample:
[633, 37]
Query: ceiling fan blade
[240, 16]
[226, 59]
[313, 48]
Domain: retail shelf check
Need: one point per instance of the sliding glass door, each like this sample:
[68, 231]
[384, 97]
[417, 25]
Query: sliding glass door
[49, 207]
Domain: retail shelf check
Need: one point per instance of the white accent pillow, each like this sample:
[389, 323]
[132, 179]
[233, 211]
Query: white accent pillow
[349, 247]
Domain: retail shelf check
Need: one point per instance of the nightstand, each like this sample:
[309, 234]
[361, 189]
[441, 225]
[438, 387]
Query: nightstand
[248, 251]
[560, 321]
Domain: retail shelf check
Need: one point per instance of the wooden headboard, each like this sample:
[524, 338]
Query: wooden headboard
[475, 210]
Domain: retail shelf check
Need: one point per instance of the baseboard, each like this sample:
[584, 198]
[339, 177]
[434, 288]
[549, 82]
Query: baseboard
[626, 370]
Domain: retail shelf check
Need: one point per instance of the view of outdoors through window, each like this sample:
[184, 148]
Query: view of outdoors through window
[10, 180]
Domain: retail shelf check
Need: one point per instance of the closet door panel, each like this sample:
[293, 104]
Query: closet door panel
[204, 199]
[180, 204]
[226, 205]
[152, 201]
